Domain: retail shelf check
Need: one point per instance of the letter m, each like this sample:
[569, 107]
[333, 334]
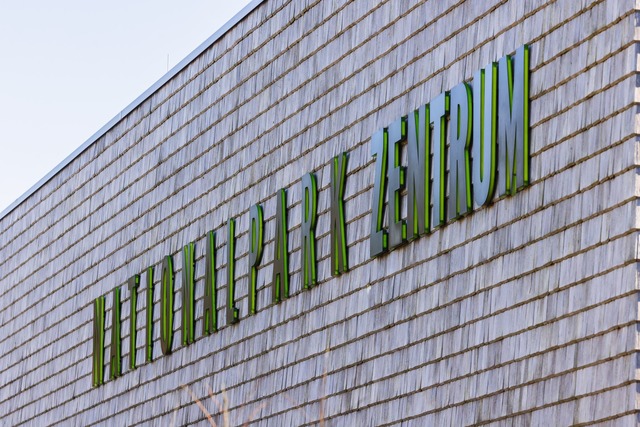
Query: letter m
[513, 122]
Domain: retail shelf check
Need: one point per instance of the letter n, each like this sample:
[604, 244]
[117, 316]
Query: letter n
[98, 341]
[418, 173]
[166, 305]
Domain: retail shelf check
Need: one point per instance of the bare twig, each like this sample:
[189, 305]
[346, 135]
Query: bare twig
[225, 406]
[254, 413]
[296, 403]
[200, 405]
[215, 401]
[324, 388]
[222, 409]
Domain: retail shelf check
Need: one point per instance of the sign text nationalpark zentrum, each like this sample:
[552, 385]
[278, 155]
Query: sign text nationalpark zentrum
[462, 146]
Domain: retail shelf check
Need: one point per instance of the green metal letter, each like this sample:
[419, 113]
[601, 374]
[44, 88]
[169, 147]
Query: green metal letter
[256, 243]
[133, 282]
[378, 242]
[459, 160]
[483, 150]
[149, 343]
[210, 323]
[280, 282]
[188, 293]
[439, 109]
[419, 173]
[98, 341]
[233, 314]
[116, 337]
[513, 122]
[309, 219]
[166, 305]
[397, 135]
[339, 258]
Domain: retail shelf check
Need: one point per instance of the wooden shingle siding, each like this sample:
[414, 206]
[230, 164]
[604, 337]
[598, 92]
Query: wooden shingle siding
[519, 313]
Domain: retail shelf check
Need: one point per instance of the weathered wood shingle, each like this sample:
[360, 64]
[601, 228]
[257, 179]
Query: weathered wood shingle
[519, 313]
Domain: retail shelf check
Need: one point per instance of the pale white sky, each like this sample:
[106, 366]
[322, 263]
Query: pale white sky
[67, 67]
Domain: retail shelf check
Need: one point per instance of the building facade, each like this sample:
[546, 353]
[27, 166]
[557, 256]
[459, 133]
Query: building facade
[263, 225]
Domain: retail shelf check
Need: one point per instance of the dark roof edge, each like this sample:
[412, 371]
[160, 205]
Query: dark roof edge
[137, 102]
